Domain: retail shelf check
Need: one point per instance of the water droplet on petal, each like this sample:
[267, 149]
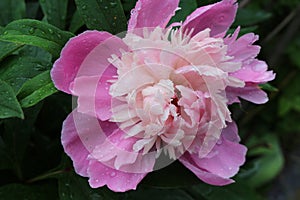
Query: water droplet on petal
[112, 174]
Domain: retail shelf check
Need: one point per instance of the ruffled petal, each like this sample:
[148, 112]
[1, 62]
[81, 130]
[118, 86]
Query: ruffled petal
[115, 180]
[251, 92]
[152, 13]
[117, 153]
[242, 49]
[93, 94]
[65, 69]
[221, 163]
[254, 71]
[218, 17]
[80, 135]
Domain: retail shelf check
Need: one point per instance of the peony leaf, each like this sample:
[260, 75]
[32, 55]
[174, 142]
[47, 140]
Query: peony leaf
[36, 89]
[16, 70]
[267, 160]
[11, 10]
[71, 186]
[187, 7]
[249, 17]
[9, 105]
[7, 48]
[55, 12]
[175, 176]
[76, 22]
[107, 15]
[238, 191]
[36, 33]
[32, 192]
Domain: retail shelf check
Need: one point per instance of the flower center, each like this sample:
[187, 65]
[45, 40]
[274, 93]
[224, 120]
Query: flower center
[168, 89]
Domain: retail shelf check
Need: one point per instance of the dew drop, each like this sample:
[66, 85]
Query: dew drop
[105, 7]
[83, 7]
[50, 31]
[112, 174]
[113, 4]
[31, 30]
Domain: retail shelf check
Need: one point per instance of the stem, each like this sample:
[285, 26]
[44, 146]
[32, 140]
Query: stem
[45, 176]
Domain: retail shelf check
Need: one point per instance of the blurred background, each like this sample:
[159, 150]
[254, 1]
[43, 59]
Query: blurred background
[32, 162]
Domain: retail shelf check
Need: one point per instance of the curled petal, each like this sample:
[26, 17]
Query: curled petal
[80, 135]
[251, 92]
[218, 17]
[115, 180]
[152, 13]
[220, 164]
[65, 69]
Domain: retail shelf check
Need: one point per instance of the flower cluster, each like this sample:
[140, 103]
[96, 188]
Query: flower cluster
[159, 94]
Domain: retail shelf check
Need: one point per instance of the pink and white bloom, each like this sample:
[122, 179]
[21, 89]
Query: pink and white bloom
[157, 92]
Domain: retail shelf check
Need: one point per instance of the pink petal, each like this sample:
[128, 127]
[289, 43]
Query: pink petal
[251, 92]
[152, 13]
[93, 94]
[73, 54]
[220, 164]
[115, 180]
[218, 17]
[242, 48]
[254, 71]
[80, 134]
[117, 153]
[205, 176]
[230, 133]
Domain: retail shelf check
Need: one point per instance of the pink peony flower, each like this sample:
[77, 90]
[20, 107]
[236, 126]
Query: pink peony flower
[159, 94]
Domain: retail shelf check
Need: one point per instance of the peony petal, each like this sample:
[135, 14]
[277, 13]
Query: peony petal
[218, 17]
[254, 71]
[220, 164]
[115, 180]
[152, 13]
[205, 176]
[117, 153]
[93, 94]
[251, 92]
[242, 49]
[72, 56]
[230, 133]
[80, 134]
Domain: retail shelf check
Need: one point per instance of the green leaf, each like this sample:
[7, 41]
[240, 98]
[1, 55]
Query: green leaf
[72, 186]
[107, 15]
[175, 176]
[187, 7]
[16, 70]
[249, 17]
[268, 160]
[30, 192]
[55, 12]
[76, 22]
[237, 191]
[268, 87]
[165, 194]
[16, 135]
[32, 9]
[9, 105]
[36, 89]
[36, 33]
[36, 52]
[11, 10]
[7, 48]
[293, 52]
